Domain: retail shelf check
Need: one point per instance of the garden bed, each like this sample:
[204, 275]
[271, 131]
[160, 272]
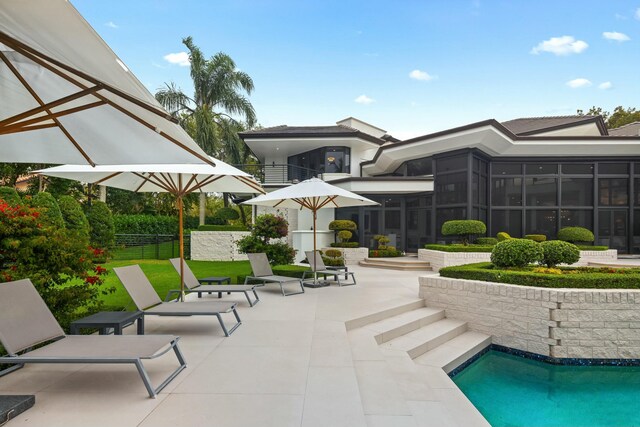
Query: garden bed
[562, 277]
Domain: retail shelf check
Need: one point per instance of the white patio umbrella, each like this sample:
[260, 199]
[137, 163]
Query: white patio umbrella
[177, 179]
[66, 98]
[313, 194]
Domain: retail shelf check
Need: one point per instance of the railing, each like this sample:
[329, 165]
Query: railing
[150, 246]
[278, 173]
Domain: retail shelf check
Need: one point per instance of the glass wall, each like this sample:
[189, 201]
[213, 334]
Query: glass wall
[321, 160]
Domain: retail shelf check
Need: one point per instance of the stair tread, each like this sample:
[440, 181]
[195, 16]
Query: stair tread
[453, 349]
[404, 318]
[425, 334]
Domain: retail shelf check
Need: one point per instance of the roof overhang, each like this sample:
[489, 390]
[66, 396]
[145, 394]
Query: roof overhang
[289, 145]
[385, 185]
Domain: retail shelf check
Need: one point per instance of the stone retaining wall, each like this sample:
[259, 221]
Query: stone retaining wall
[440, 259]
[561, 323]
[217, 245]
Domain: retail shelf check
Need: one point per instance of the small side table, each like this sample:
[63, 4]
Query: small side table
[104, 320]
[217, 280]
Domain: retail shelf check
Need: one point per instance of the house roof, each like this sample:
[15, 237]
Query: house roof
[285, 131]
[534, 125]
[631, 129]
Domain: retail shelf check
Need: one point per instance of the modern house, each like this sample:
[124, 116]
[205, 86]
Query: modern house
[522, 176]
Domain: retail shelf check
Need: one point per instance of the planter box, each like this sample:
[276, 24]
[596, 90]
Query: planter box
[561, 323]
[352, 255]
[439, 259]
[217, 245]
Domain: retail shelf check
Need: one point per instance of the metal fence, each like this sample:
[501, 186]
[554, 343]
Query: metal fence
[150, 246]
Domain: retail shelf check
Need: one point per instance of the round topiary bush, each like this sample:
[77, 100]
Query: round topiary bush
[49, 209]
[343, 224]
[465, 228]
[536, 237]
[556, 252]
[10, 196]
[516, 253]
[333, 253]
[488, 241]
[575, 234]
[344, 235]
[73, 216]
[502, 236]
[101, 227]
[227, 214]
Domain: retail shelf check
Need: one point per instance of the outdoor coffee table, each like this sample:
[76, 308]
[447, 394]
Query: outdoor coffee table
[218, 281]
[104, 320]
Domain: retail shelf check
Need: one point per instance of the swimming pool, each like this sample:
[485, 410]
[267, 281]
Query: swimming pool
[513, 391]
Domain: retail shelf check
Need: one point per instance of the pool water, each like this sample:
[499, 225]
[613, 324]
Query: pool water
[514, 391]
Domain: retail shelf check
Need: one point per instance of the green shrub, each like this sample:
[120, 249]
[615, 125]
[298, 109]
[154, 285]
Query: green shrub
[582, 277]
[344, 235]
[207, 227]
[343, 224]
[516, 253]
[382, 241]
[592, 248]
[502, 236]
[102, 230]
[465, 228]
[345, 245]
[489, 241]
[48, 208]
[384, 253]
[459, 248]
[559, 252]
[10, 196]
[536, 237]
[575, 234]
[333, 253]
[73, 215]
[269, 227]
[227, 214]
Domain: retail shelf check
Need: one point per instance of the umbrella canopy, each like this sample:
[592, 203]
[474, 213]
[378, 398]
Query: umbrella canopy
[67, 97]
[313, 194]
[177, 179]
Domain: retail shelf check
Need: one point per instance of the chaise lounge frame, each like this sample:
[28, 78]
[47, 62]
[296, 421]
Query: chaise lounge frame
[321, 268]
[262, 272]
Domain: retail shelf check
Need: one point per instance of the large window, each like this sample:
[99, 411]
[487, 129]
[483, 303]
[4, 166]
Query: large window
[506, 192]
[507, 220]
[541, 191]
[321, 160]
[577, 192]
[451, 188]
[541, 221]
[613, 191]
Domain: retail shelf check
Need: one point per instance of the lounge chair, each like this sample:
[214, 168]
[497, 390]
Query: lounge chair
[193, 285]
[320, 268]
[148, 301]
[26, 322]
[262, 272]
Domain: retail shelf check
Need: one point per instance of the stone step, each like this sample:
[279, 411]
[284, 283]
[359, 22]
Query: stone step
[428, 337]
[376, 314]
[454, 352]
[401, 324]
[396, 265]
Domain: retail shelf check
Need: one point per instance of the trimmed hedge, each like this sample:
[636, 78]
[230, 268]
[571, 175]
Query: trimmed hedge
[516, 253]
[584, 277]
[73, 215]
[343, 224]
[49, 209]
[592, 248]
[345, 245]
[489, 241]
[102, 231]
[227, 214]
[344, 235]
[208, 227]
[575, 234]
[463, 228]
[536, 237]
[502, 236]
[559, 252]
[384, 253]
[145, 224]
[459, 248]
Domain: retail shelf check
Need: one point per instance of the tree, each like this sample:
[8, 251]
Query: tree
[621, 116]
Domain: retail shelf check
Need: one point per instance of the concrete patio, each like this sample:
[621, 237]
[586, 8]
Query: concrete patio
[291, 363]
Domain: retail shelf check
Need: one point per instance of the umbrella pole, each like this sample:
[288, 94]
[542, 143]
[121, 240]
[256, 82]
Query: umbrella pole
[181, 238]
[315, 275]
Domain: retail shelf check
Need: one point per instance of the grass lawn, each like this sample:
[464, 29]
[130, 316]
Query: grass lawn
[164, 277]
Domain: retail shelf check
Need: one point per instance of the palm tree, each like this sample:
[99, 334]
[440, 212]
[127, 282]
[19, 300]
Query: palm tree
[211, 115]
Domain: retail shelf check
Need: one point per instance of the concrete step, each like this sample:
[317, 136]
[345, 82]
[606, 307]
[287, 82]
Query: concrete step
[428, 337]
[393, 264]
[454, 352]
[378, 313]
[401, 324]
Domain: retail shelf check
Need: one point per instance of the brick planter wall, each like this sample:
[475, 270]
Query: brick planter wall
[561, 323]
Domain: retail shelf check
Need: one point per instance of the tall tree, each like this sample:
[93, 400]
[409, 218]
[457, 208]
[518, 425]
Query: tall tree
[621, 116]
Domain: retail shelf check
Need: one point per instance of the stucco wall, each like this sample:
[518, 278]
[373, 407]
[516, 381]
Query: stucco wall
[439, 259]
[216, 245]
[562, 323]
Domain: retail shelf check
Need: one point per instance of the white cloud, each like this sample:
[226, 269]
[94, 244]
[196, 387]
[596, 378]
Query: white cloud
[364, 99]
[616, 36]
[605, 85]
[637, 14]
[180, 58]
[619, 16]
[421, 75]
[578, 83]
[561, 46]
[111, 24]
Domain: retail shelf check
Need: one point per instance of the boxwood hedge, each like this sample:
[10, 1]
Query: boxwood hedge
[459, 248]
[584, 277]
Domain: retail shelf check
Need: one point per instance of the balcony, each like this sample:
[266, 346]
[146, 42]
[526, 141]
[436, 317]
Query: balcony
[278, 173]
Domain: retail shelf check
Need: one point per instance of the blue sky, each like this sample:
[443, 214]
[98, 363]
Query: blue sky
[414, 66]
